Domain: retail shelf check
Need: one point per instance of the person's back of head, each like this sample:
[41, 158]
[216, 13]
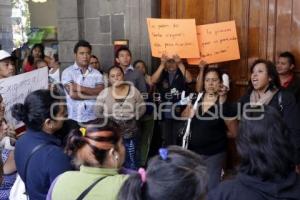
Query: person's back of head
[173, 175]
[96, 146]
[264, 145]
[40, 63]
[38, 106]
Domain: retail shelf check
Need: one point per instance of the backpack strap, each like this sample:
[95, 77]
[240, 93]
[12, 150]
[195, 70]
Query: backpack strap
[87, 190]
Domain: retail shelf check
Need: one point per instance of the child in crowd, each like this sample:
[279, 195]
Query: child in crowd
[40, 64]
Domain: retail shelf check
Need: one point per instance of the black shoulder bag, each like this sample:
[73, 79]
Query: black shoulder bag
[87, 190]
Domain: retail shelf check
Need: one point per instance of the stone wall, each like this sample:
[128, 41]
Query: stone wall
[68, 28]
[101, 22]
[6, 36]
[43, 14]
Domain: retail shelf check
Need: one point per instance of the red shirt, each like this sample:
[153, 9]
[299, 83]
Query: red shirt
[288, 81]
[28, 67]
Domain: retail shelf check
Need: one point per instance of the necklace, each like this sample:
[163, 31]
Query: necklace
[121, 101]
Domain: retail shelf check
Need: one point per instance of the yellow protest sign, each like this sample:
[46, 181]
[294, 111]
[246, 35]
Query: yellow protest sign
[173, 36]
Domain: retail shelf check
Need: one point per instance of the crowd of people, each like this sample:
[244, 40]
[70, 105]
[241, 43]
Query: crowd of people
[89, 135]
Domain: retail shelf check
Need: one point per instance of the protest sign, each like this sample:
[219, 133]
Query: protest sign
[173, 36]
[15, 89]
[218, 42]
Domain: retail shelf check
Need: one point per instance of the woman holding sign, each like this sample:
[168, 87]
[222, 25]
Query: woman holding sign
[211, 125]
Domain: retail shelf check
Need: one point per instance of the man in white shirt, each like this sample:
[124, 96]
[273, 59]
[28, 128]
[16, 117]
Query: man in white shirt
[83, 83]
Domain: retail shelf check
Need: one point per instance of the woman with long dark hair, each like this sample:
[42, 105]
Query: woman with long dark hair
[36, 53]
[267, 165]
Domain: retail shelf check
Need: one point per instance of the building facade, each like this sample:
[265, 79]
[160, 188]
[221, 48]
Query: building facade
[101, 22]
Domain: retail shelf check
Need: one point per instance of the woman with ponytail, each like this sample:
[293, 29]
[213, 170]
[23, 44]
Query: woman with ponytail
[176, 174]
[100, 153]
[38, 153]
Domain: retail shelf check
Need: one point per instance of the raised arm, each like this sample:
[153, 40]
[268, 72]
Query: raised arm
[184, 71]
[200, 77]
[156, 76]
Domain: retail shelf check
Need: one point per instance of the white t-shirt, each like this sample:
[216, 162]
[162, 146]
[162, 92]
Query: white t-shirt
[55, 75]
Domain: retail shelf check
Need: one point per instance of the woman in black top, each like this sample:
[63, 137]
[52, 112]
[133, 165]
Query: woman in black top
[211, 125]
[265, 90]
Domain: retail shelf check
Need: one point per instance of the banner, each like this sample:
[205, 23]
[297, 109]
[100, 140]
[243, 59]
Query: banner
[16, 88]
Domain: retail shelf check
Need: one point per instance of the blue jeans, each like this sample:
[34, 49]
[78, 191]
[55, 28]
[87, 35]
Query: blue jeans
[130, 148]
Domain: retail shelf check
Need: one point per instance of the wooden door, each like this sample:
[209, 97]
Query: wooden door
[265, 28]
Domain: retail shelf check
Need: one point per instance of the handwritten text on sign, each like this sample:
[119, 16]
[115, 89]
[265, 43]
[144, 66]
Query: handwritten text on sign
[217, 43]
[173, 36]
[15, 89]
